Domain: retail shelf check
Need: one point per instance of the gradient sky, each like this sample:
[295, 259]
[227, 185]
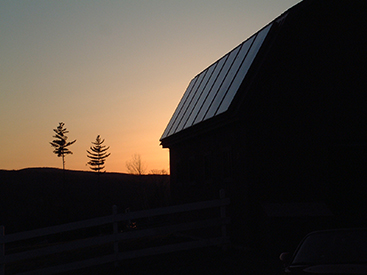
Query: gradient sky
[112, 68]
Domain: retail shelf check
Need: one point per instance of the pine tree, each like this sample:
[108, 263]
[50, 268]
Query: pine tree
[98, 155]
[60, 143]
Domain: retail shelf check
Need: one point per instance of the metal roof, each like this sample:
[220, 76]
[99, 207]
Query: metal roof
[211, 92]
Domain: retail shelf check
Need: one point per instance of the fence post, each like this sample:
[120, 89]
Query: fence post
[2, 250]
[222, 195]
[115, 232]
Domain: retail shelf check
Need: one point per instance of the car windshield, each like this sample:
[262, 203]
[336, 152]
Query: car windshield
[333, 247]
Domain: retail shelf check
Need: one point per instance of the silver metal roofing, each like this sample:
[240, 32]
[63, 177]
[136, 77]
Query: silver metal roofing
[211, 92]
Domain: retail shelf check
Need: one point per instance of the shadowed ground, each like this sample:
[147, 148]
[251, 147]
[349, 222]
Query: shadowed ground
[201, 261]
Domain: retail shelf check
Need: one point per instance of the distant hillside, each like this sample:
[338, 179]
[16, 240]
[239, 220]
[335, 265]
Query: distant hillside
[38, 197]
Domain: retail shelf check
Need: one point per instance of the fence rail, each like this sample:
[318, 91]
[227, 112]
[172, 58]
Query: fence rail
[117, 236]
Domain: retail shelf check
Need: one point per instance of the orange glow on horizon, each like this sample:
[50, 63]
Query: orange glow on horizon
[102, 70]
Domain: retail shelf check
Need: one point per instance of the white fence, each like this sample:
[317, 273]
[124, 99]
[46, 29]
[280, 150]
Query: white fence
[116, 237]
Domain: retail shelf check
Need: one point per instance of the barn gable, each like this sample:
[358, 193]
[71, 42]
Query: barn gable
[211, 92]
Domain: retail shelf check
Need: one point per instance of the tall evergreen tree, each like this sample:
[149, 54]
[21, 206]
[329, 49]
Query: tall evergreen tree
[98, 155]
[60, 143]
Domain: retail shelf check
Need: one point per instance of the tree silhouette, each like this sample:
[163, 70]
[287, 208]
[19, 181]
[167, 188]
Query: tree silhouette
[60, 143]
[98, 155]
[158, 172]
[136, 166]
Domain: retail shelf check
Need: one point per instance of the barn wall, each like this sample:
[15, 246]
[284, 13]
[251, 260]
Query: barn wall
[297, 130]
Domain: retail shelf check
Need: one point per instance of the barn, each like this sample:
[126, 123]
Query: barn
[280, 123]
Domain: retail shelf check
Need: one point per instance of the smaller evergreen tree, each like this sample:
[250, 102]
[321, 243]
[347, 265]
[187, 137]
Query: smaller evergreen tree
[97, 155]
[60, 143]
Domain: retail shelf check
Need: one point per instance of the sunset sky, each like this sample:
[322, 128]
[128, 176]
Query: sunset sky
[112, 68]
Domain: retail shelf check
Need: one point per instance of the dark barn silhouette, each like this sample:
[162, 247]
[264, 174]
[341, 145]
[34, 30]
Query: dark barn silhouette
[280, 121]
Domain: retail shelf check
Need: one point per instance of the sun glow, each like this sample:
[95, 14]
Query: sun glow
[102, 70]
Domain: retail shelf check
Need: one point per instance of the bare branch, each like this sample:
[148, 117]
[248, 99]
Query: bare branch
[136, 166]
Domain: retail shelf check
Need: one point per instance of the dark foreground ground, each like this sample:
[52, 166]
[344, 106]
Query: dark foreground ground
[39, 197]
[211, 260]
